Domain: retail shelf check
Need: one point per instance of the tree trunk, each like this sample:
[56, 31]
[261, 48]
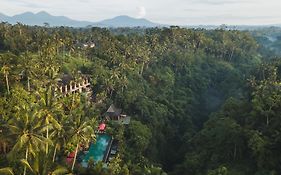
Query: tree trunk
[231, 55]
[26, 156]
[7, 83]
[74, 160]
[267, 116]
[28, 84]
[235, 151]
[111, 93]
[142, 67]
[63, 53]
[47, 136]
[55, 152]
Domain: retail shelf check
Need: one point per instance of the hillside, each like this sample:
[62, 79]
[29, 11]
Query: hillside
[171, 101]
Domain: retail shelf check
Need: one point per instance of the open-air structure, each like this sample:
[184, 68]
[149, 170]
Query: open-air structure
[114, 114]
[68, 86]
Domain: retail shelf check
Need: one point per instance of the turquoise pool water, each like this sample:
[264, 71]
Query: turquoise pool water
[97, 150]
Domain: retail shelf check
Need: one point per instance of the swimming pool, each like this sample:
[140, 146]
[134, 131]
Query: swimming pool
[97, 150]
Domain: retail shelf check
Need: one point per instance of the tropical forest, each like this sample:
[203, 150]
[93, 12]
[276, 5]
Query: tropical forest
[139, 101]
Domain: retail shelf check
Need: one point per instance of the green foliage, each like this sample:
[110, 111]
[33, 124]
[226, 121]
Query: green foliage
[138, 137]
[7, 171]
[200, 101]
[219, 171]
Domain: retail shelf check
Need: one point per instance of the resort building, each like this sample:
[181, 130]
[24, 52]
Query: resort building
[114, 114]
[68, 86]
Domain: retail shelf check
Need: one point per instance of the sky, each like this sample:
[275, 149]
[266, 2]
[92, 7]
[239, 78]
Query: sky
[172, 12]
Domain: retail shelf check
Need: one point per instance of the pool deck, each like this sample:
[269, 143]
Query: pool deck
[106, 155]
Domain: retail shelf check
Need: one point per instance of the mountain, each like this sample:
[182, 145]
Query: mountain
[126, 21]
[4, 17]
[43, 17]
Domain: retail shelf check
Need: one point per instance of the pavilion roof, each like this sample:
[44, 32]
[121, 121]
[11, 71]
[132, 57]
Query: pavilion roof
[113, 111]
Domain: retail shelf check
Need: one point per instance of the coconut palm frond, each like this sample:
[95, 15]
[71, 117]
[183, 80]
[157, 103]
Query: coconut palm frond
[6, 171]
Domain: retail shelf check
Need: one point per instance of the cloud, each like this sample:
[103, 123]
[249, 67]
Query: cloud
[220, 2]
[174, 12]
[28, 3]
[141, 12]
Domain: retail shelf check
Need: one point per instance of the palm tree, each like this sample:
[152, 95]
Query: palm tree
[27, 131]
[8, 62]
[4, 142]
[7, 171]
[50, 105]
[80, 128]
[50, 109]
[43, 165]
[59, 136]
[27, 66]
[59, 139]
[5, 70]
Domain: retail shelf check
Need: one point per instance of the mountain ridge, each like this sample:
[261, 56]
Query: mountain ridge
[43, 17]
[127, 21]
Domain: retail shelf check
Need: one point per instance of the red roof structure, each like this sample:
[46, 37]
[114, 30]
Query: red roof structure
[70, 157]
[102, 127]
